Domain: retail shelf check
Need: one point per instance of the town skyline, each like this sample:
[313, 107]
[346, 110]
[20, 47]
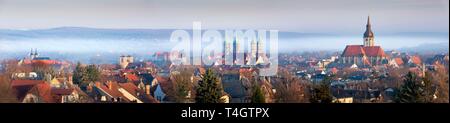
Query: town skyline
[224, 59]
[78, 39]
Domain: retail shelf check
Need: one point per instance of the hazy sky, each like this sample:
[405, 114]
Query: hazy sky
[321, 16]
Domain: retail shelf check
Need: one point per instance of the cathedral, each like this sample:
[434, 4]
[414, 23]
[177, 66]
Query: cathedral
[367, 54]
[255, 56]
[35, 58]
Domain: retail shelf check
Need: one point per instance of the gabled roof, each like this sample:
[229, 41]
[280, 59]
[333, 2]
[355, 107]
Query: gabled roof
[416, 60]
[57, 93]
[165, 83]
[374, 51]
[130, 87]
[110, 89]
[132, 77]
[62, 91]
[135, 65]
[147, 78]
[45, 61]
[353, 50]
[233, 86]
[43, 90]
[360, 51]
[399, 61]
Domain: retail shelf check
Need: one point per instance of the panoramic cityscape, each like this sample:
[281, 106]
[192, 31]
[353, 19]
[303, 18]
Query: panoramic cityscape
[363, 57]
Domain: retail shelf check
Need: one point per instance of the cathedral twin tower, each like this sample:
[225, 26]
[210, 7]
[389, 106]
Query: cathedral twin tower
[234, 49]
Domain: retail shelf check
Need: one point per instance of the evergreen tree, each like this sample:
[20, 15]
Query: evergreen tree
[92, 73]
[77, 77]
[321, 93]
[209, 89]
[84, 75]
[258, 96]
[414, 90]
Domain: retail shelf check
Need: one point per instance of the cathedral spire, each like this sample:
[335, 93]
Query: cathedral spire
[35, 53]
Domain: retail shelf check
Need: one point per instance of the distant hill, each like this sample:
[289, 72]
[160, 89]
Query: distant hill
[435, 47]
[117, 34]
[85, 33]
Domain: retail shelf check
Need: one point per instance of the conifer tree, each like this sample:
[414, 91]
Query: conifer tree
[258, 96]
[414, 90]
[209, 89]
[321, 93]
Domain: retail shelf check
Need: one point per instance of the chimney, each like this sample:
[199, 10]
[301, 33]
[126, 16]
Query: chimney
[110, 84]
[89, 88]
[147, 89]
[423, 69]
[97, 84]
[70, 80]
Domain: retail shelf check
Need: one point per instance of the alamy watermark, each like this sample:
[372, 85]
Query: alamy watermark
[235, 47]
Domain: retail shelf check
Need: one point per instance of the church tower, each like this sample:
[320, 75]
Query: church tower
[254, 49]
[33, 55]
[368, 35]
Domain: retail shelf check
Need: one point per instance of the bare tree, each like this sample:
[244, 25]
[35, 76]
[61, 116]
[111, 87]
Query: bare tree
[182, 85]
[290, 89]
[440, 77]
[7, 94]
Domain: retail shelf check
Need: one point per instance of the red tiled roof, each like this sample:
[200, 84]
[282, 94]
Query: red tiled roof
[126, 71]
[353, 50]
[113, 91]
[367, 62]
[360, 50]
[416, 60]
[162, 79]
[334, 70]
[132, 77]
[202, 70]
[47, 62]
[27, 61]
[243, 70]
[57, 93]
[15, 83]
[130, 87]
[43, 90]
[61, 91]
[165, 83]
[374, 51]
[399, 61]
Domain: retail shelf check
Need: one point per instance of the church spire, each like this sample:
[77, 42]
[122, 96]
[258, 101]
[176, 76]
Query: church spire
[35, 53]
[368, 35]
[368, 32]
